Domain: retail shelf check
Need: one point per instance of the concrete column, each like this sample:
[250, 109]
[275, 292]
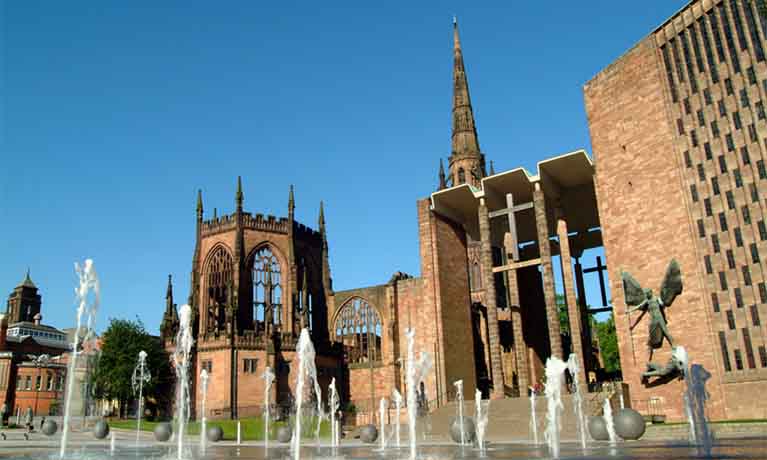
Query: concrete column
[549, 294]
[486, 259]
[573, 311]
[520, 346]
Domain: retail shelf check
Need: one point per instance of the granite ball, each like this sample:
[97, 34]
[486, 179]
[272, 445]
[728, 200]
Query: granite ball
[101, 429]
[468, 430]
[50, 427]
[629, 424]
[369, 434]
[163, 431]
[215, 433]
[598, 428]
[284, 433]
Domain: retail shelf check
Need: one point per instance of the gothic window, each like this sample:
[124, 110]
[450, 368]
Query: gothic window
[725, 353]
[267, 286]
[218, 279]
[359, 328]
[461, 176]
[475, 277]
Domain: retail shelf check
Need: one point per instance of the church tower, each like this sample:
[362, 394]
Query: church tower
[466, 162]
[24, 302]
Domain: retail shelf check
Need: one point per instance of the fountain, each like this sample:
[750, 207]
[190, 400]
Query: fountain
[574, 368]
[533, 421]
[204, 391]
[695, 397]
[89, 283]
[306, 368]
[239, 433]
[268, 377]
[112, 444]
[382, 417]
[415, 374]
[481, 416]
[555, 371]
[320, 412]
[334, 405]
[459, 397]
[608, 415]
[397, 397]
[181, 358]
[140, 375]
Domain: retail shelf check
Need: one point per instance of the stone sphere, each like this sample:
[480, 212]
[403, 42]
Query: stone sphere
[284, 433]
[369, 434]
[101, 429]
[215, 433]
[468, 430]
[629, 424]
[163, 431]
[598, 428]
[50, 427]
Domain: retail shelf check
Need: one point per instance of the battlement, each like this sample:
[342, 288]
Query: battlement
[267, 223]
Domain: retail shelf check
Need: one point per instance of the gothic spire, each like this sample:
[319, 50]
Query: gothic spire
[238, 197]
[199, 204]
[322, 218]
[291, 200]
[169, 292]
[442, 181]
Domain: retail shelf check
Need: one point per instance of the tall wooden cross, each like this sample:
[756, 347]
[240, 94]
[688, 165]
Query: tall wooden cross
[510, 211]
[600, 269]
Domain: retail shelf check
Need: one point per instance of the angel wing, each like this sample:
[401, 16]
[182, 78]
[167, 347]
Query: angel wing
[672, 283]
[632, 290]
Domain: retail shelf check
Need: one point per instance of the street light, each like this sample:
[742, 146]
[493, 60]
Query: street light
[39, 361]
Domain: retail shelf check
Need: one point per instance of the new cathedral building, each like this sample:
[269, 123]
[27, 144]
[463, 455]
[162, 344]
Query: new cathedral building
[678, 129]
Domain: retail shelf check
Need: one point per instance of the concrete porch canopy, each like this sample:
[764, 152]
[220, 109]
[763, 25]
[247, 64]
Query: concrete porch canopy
[567, 183]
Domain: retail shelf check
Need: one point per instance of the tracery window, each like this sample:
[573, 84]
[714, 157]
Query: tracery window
[358, 327]
[475, 277]
[267, 286]
[218, 281]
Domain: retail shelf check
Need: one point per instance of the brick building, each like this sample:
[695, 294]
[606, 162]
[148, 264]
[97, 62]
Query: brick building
[32, 355]
[678, 129]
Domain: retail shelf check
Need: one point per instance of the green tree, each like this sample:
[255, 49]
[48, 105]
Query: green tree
[564, 322]
[120, 346]
[608, 344]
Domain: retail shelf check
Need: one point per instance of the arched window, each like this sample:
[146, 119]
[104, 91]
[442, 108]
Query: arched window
[475, 276]
[358, 327]
[218, 279]
[461, 176]
[267, 286]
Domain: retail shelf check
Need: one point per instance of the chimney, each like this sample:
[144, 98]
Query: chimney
[37, 318]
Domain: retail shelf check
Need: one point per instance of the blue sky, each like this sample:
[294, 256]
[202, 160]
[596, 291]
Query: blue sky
[115, 113]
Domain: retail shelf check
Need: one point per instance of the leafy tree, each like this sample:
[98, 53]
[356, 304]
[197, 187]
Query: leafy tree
[608, 344]
[120, 347]
[564, 322]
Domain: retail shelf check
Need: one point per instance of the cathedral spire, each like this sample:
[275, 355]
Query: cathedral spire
[467, 163]
[169, 292]
[238, 196]
[442, 181]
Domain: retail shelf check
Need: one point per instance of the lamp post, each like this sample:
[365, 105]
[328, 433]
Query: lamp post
[39, 361]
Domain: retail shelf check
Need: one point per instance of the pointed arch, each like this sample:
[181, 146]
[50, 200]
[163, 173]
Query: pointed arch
[268, 284]
[358, 326]
[218, 274]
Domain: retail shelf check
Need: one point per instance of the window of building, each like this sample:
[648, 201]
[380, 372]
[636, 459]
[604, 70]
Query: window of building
[738, 298]
[694, 138]
[751, 75]
[738, 25]
[715, 186]
[49, 387]
[730, 200]
[359, 328]
[728, 87]
[715, 243]
[701, 119]
[746, 275]
[687, 159]
[696, 47]
[754, 193]
[738, 177]
[738, 360]
[722, 164]
[736, 120]
[677, 61]
[723, 221]
[60, 383]
[28, 383]
[725, 353]
[738, 237]
[730, 142]
[717, 36]
[753, 30]
[707, 96]
[754, 253]
[722, 108]
[701, 172]
[744, 101]
[728, 38]
[744, 155]
[38, 383]
[722, 280]
[762, 170]
[715, 128]
[730, 259]
[762, 230]
[707, 206]
[249, 365]
[701, 229]
[694, 193]
[755, 315]
[707, 149]
[715, 302]
[752, 133]
[763, 355]
[708, 49]
[760, 110]
[763, 292]
[730, 320]
[707, 263]
[746, 214]
[686, 104]
[207, 365]
[669, 73]
[462, 173]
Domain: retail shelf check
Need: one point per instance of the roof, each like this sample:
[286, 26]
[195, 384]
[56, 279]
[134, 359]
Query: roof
[27, 282]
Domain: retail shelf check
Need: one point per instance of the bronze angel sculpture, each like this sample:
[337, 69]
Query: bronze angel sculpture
[644, 299]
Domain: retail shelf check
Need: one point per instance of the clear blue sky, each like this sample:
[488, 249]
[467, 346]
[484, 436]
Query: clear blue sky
[115, 113]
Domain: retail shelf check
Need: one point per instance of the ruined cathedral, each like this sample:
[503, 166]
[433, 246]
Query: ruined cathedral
[484, 304]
